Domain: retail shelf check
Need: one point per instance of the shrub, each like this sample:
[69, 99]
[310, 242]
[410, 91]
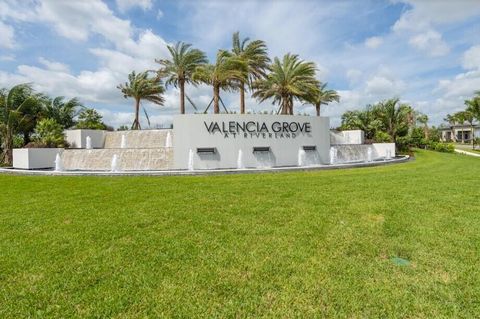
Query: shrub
[403, 143]
[48, 133]
[382, 137]
[90, 119]
[442, 147]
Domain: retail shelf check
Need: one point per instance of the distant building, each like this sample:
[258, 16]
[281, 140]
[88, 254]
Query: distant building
[455, 133]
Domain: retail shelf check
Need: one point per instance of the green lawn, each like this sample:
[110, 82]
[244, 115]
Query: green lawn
[305, 244]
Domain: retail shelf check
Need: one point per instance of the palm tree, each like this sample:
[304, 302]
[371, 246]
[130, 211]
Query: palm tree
[324, 97]
[396, 117]
[423, 119]
[460, 116]
[452, 121]
[180, 67]
[141, 87]
[254, 55]
[365, 120]
[63, 112]
[225, 74]
[290, 79]
[14, 105]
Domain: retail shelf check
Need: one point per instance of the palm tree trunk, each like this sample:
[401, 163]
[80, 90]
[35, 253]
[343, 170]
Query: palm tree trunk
[8, 148]
[242, 98]
[216, 98]
[182, 97]
[284, 106]
[317, 106]
[136, 123]
[290, 106]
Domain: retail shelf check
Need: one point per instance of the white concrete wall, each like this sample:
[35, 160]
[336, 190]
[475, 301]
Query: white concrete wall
[35, 158]
[347, 137]
[78, 138]
[381, 149]
[190, 132]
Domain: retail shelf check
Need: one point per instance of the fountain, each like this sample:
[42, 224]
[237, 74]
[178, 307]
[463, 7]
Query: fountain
[58, 163]
[240, 164]
[369, 154]
[88, 143]
[301, 157]
[388, 155]
[333, 155]
[123, 142]
[190, 160]
[168, 140]
[114, 167]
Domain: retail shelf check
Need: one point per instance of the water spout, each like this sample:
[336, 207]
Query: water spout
[190, 160]
[88, 143]
[301, 157]
[123, 142]
[168, 140]
[388, 155]
[240, 163]
[369, 154]
[58, 163]
[114, 167]
[333, 155]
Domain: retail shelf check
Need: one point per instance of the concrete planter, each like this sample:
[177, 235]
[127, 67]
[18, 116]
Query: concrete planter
[35, 158]
[78, 138]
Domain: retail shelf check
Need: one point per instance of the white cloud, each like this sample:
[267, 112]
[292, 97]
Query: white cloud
[384, 84]
[373, 42]
[7, 35]
[430, 42]
[471, 58]
[124, 5]
[8, 57]
[53, 66]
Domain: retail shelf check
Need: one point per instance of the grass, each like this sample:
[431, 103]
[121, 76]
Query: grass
[393, 241]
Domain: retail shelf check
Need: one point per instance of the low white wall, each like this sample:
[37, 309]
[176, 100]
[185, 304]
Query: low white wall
[35, 158]
[347, 137]
[227, 134]
[381, 149]
[78, 138]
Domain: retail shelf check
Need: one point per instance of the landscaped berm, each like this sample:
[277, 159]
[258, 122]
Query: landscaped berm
[391, 241]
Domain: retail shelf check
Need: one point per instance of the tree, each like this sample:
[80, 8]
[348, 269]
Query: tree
[90, 119]
[141, 87]
[290, 79]
[452, 121]
[49, 133]
[225, 74]
[254, 55]
[365, 120]
[14, 107]
[179, 69]
[395, 117]
[63, 112]
[423, 119]
[460, 117]
[323, 97]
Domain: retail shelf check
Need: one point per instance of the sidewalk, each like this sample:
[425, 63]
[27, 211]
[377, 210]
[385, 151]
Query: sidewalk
[467, 153]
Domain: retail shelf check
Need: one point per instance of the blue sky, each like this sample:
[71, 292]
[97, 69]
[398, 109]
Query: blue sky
[425, 52]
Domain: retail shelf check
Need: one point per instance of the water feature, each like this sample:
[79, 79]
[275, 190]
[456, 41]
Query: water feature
[369, 154]
[114, 166]
[168, 140]
[123, 143]
[240, 163]
[333, 155]
[388, 155]
[88, 143]
[190, 160]
[58, 163]
[301, 157]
